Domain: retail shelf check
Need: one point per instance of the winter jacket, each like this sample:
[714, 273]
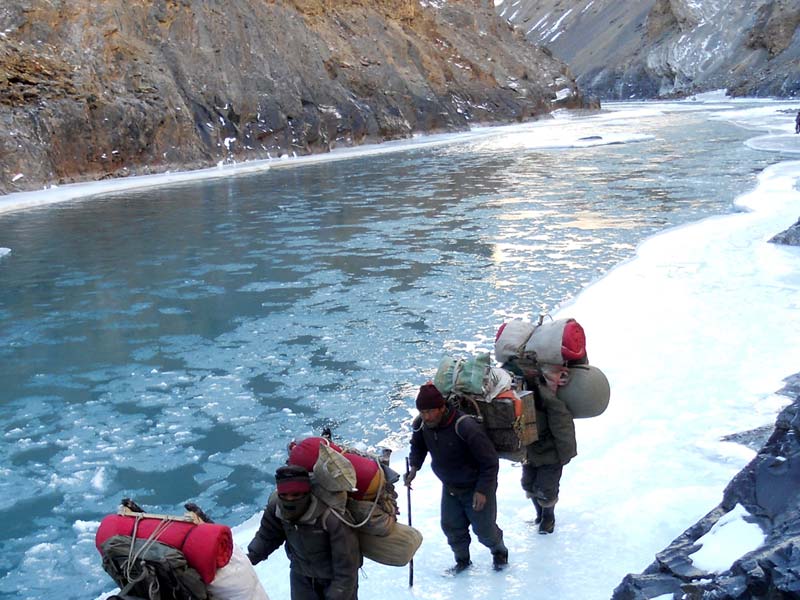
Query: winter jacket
[319, 546]
[463, 459]
[554, 423]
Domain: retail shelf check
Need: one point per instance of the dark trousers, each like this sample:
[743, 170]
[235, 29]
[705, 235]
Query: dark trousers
[310, 588]
[542, 483]
[458, 515]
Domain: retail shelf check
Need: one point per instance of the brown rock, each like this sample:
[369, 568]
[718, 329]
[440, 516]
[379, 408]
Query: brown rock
[107, 88]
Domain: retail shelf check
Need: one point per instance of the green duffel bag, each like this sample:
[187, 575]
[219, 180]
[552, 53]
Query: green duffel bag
[586, 393]
[396, 549]
[462, 376]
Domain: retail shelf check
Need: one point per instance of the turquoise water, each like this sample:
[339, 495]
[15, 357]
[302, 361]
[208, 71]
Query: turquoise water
[167, 344]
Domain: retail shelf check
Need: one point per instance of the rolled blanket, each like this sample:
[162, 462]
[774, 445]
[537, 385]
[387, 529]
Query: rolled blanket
[305, 452]
[369, 476]
[206, 546]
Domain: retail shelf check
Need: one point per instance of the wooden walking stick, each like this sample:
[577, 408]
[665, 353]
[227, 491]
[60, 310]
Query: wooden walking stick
[408, 497]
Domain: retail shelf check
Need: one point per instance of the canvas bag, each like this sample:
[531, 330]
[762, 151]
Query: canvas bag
[237, 580]
[333, 471]
[462, 376]
[551, 342]
[586, 392]
[557, 342]
[396, 549]
[151, 570]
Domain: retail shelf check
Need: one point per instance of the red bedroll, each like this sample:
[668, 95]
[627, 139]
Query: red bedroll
[573, 342]
[369, 476]
[306, 452]
[206, 546]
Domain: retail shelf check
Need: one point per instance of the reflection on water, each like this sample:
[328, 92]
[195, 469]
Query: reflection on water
[166, 344]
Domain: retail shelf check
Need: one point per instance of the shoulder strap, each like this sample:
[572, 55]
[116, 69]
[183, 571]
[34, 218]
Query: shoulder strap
[461, 418]
[416, 424]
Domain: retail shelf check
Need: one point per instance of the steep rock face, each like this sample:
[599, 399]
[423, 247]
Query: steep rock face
[664, 48]
[106, 88]
[769, 489]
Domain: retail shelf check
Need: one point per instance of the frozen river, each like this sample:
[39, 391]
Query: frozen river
[166, 343]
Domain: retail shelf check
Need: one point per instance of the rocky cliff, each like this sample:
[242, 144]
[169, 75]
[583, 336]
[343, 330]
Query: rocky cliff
[768, 488]
[665, 48]
[107, 88]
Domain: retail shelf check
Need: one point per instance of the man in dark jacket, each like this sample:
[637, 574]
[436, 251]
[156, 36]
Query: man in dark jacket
[465, 461]
[323, 552]
[555, 447]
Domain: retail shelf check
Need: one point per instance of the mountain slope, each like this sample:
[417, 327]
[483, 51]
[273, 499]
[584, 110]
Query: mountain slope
[106, 88]
[663, 48]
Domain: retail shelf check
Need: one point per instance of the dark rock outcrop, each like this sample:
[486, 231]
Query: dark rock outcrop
[107, 88]
[790, 237]
[667, 48]
[769, 488]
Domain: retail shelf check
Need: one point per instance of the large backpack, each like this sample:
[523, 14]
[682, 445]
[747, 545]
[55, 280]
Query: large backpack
[358, 487]
[162, 557]
[553, 354]
[149, 570]
[489, 395]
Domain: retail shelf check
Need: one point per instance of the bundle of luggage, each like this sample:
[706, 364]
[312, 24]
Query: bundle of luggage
[553, 353]
[493, 397]
[548, 353]
[359, 489]
[171, 557]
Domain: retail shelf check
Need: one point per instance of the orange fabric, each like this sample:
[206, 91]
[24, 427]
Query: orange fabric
[510, 395]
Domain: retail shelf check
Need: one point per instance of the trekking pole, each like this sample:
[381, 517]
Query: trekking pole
[408, 497]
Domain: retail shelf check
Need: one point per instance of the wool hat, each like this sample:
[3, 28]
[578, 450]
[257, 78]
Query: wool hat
[292, 479]
[429, 397]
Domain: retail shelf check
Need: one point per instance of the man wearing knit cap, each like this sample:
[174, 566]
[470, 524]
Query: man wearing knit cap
[323, 552]
[465, 461]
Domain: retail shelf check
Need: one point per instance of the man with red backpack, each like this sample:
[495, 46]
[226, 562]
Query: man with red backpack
[323, 551]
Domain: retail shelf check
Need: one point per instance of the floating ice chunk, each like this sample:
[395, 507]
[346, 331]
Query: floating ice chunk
[4, 251]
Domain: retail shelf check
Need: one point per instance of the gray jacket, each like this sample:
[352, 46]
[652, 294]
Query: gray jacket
[319, 547]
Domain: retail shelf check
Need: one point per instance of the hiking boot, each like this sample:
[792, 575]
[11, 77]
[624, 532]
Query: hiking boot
[538, 508]
[500, 560]
[462, 564]
[548, 521]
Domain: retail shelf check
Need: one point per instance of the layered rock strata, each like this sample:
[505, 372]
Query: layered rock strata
[107, 88]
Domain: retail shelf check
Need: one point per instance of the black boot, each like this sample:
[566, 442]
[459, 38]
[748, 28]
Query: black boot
[500, 560]
[538, 508]
[462, 564]
[548, 523]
